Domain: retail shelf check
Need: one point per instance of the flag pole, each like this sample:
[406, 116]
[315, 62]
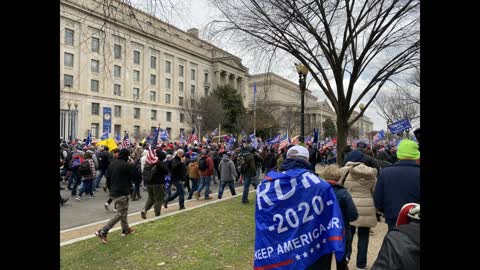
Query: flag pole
[219, 132]
[254, 109]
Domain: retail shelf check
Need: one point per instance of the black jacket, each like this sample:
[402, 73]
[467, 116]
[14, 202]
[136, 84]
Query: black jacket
[120, 176]
[178, 169]
[159, 172]
[103, 160]
[270, 161]
[400, 250]
[349, 210]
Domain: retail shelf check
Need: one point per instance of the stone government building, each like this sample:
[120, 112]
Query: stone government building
[124, 70]
[283, 97]
[131, 72]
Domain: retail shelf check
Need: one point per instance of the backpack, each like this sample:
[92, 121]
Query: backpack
[242, 164]
[202, 164]
[147, 173]
[84, 168]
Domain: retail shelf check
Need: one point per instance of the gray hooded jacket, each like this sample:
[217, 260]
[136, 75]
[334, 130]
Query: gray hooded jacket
[227, 169]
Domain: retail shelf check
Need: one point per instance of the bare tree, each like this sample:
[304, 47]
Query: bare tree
[394, 106]
[210, 109]
[338, 41]
[289, 120]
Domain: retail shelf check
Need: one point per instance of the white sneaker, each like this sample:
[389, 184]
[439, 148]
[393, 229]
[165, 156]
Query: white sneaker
[78, 198]
[106, 206]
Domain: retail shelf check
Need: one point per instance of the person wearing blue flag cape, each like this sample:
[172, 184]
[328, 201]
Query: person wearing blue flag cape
[298, 220]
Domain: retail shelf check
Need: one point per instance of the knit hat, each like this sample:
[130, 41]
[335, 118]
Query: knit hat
[410, 211]
[408, 149]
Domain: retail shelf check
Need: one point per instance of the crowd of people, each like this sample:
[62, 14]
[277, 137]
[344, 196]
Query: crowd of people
[373, 182]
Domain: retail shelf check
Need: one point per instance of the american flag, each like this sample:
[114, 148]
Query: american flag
[182, 138]
[151, 156]
[214, 133]
[126, 142]
[193, 137]
[284, 143]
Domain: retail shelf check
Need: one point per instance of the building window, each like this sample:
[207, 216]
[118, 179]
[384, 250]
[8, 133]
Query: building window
[192, 90]
[95, 66]
[136, 130]
[169, 116]
[206, 77]
[117, 71]
[117, 51]
[94, 85]
[206, 92]
[154, 115]
[167, 83]
[117, 91]
[117, 130]
[182, 131]
[117, 111]
[153, 96]
[95, 44]
[180, 71]
[182, 118]
[180, 87]
[167, 67]
[136, 75]
[193, 75]
[69, 36]
[94, 130]
[95, 108]
[167, 98]
[153, 79]
[136, 113]
[192, 102]
[68, 59]
[153, 62]
[136, 93]
[136, 57]
[180, 101]
[67, 80]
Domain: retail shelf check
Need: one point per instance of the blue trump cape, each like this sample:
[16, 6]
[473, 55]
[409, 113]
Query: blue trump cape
[297, 221]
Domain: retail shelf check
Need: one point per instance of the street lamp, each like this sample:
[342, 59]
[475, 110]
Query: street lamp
[199, 118]
[362, 107]
[302, 81]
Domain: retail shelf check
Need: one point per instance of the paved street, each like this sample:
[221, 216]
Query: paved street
[87, 211]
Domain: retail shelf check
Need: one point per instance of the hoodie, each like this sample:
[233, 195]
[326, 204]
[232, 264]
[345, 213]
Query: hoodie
[227, 169]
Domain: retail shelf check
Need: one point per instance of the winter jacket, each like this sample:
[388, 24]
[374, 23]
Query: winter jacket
[359, 180]
[120, 177]
[250, 161]
[399, 250]
[103, 160]
[178, 169]
[227, 170]
[349, 210]
[93, 173]
[216, 162]
[397, 185]
[209, 171]
[192, 170]
[159, 171]
[269, 161]
[359, 156]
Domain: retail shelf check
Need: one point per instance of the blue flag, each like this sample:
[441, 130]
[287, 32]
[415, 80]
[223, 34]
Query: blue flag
[231, 142]
[274, 140]
[182, 138]
[297, 221]
[253, 141]
[104, 135]
[153, 138]
[88, 141]
[254, 91]
[164, 136]
[118, 137]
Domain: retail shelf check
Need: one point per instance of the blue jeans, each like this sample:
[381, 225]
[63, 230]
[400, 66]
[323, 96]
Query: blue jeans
[246, 185]
[180, 193]
[362, 245]
[222, 187]
[86, 187]
[204, 182]
[194, 188]
[102, 172]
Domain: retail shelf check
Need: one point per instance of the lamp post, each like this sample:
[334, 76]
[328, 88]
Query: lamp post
[362, 107]
[199, 118]
[302, 81]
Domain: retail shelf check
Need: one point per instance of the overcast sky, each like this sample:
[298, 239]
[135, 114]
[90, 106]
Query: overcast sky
[198, 13]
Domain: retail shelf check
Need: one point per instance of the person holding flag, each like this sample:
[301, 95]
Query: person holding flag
[282, 199]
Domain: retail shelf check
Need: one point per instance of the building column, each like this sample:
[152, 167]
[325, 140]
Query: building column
[235, 78]
[227, 78]
[217, 78]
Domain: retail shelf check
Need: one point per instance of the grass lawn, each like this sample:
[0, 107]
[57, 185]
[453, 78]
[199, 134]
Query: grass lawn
[218, 236]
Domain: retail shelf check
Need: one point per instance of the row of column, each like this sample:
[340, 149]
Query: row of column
[224, 77]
